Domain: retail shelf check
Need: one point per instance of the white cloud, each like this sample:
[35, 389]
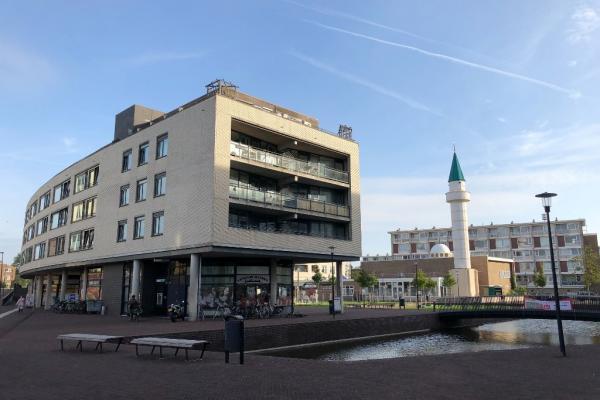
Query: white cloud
[22, 70]
[585, 21]
[456, 60]
[154, 57]
[362, 82]
[572, 63]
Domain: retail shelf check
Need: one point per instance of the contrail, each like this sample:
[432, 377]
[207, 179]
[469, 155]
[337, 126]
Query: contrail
[362, 82]
[455, 60]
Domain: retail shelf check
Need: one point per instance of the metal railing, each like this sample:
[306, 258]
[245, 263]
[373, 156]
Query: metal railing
[273, 228]
[505, 303]
[277, 160]
[283, 201]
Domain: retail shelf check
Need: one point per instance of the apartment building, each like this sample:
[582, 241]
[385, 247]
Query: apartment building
[526, 243]
[212, 202]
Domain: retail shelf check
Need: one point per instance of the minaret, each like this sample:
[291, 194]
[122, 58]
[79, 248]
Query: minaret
[467, 278]
[458, 197]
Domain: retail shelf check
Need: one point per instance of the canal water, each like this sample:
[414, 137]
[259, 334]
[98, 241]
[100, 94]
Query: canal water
[517, 334]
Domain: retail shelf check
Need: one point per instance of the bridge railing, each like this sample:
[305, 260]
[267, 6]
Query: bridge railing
[479, 303]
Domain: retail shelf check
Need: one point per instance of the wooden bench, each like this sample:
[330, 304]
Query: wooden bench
[176, 344]
[86, 337]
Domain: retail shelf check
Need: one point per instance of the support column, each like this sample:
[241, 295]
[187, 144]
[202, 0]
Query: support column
[48, 299]
[63, 285]
[83, 289]
[39, 282]
[339, 284]
[194, 286]
[135, 279]
[273, 277]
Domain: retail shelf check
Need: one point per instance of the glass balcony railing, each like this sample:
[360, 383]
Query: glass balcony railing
[285, 162]
[283, 201]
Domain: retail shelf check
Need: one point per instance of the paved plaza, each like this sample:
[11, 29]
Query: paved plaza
[32, 367]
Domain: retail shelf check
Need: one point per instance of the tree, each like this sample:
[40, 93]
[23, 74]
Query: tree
[518, 291]
[539, 279]
[589, 260]
[18, 260]
[364, 278]
[448, 281]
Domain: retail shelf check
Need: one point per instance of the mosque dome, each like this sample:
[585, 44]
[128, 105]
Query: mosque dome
[440, 251]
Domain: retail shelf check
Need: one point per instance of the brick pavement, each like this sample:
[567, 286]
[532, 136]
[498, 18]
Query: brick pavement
[31, 367]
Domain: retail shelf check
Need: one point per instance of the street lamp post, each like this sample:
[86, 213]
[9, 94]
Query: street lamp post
[417, 283]
[547, 202]
[332, 248]
[1, 268]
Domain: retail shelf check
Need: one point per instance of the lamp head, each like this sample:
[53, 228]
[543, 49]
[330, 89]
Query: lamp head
[546, 199]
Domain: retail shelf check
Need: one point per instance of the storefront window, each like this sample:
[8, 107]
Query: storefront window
[126, 287]
[284, 286]
[94, 284]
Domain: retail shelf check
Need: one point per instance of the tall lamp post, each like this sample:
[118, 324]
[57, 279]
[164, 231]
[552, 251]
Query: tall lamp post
[417, 282]
[1, 268]
[332, 248]
[547, 202]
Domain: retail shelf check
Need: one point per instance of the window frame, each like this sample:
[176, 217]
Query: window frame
[121, 223]
[137, 190]
[164, 186]
[129, 154]
[146, 146]
[156, 216]
[56, 247]
[66, 184]
[136, 232]
[164, 138]
[87, 178]
[48, 203]
[124, 189]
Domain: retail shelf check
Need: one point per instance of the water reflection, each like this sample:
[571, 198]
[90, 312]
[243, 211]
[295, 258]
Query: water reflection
[498, 336]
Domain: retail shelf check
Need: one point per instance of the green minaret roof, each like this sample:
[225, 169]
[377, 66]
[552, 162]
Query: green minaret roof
[456, 173]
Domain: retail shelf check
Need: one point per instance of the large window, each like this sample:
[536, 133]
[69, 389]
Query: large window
[42, 226]
[39, 251]
[30, 232]
[138, 227]
[141, 190]
[86, 179]
[62, 191]
[81, 240]
[143, 153]
[162, 146]
[58, 218]
[158, 223]
[124, 196]
[84, 209]
[127, 161]
[122, 231]
[572, 239]
[160, 184]
[27, 254]
[45, 200]
[94, 284]
[56, 246]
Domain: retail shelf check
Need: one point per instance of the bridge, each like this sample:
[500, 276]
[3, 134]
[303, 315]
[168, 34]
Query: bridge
[517, 307]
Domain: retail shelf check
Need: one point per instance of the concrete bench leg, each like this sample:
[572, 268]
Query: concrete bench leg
[80, 345]
[203, 348]
[160, 351]
[177, 351]
[136, 351]
[152, 352]
[118, 345]
[61, 345]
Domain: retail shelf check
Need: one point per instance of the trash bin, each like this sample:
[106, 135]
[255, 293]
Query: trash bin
[401, 303]
[234, 336]
[331, 307]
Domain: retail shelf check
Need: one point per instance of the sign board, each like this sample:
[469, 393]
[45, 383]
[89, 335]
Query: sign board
[547, 305]
[72, 297]
[309, 286]
[250, 279]
[337, 305]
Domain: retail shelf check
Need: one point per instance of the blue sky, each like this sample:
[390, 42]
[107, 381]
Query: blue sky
[513, 84]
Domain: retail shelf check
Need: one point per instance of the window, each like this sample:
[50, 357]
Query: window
[33, 209]
[122, 231]
[143, 153]
[158, 223]
[27, 254]
[481, 244]
[160, 184]
[571, 226]
[81, 240]
[39, 251]
[141, 190]
[502, 243]
[126, 163]
[138, 228]
[572, 239]
[56, 246]
[58, 218]
[162, 146]
[86, 179]
[31, 232]
[42, 226]
[84, 209]
[62, 191]
[124, 196]
[45, 200]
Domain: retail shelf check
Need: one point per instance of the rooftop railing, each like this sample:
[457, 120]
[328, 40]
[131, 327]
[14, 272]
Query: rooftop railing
[285, 162]
[272, 228]
[283, 201]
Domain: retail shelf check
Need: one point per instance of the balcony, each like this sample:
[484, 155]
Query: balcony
[288, 163]
[280, 201]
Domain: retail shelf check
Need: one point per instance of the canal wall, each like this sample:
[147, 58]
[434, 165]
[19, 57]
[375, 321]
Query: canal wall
[303, 333]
